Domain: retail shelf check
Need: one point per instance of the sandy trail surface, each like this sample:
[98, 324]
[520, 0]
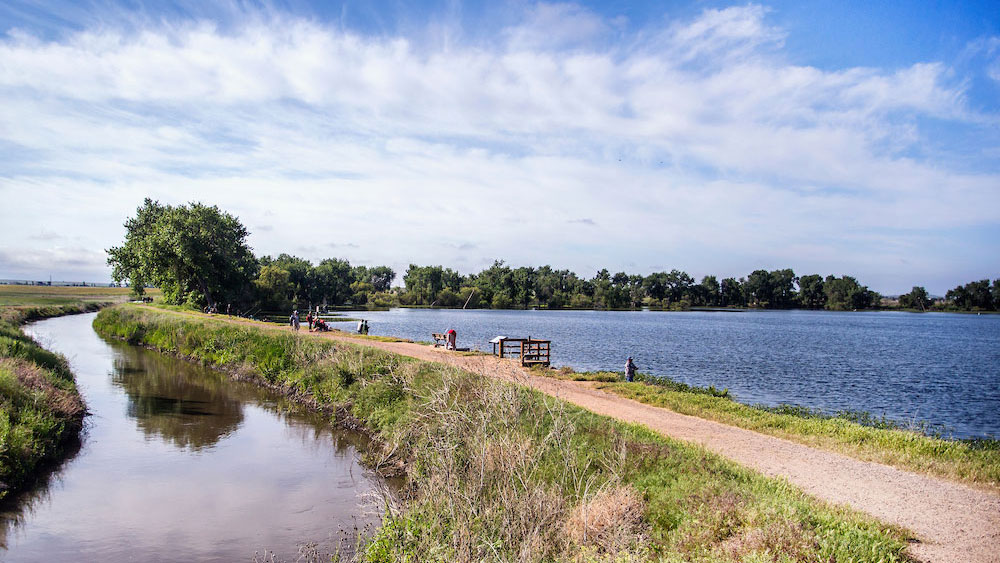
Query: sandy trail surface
[953, 523]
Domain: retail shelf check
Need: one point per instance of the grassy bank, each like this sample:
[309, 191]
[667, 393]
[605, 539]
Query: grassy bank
[970, 461]
[499, 472]
[40, 409]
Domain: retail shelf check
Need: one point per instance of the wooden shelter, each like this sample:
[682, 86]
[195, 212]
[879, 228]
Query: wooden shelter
[531, 351]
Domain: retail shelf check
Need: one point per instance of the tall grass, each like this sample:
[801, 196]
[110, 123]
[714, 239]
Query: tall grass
[497, 472]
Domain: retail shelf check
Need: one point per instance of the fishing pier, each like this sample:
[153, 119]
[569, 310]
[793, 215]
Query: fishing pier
[531, 351]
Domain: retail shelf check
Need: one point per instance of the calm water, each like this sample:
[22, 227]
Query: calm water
[940, 368]
[179, 463]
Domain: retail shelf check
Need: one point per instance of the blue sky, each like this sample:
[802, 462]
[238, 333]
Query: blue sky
[839, 138]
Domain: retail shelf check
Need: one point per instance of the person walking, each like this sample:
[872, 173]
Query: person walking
[309, 319]
[295, 320]
[629, 369]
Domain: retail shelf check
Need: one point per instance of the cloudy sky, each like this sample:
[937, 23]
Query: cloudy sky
[829, 137]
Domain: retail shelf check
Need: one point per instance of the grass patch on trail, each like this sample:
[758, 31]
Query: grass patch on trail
[499, 472]
[855, 434]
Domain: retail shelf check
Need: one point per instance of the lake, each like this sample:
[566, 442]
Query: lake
[180, 463]
[935, 367]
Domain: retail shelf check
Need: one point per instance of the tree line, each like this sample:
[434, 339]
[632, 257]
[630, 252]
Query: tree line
[198, 255]
[503, 287]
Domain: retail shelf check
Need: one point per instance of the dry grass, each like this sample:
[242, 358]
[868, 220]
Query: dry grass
[609, 521]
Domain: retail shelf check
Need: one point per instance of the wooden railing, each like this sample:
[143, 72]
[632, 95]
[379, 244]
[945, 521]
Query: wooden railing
[531, 351]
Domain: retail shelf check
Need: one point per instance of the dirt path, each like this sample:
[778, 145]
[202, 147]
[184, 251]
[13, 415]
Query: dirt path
[953, 523]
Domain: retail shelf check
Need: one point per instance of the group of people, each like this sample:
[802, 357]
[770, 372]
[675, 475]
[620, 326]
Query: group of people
[317, 324]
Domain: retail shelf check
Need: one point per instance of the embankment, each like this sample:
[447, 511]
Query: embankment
[497, 471]
[41, 411]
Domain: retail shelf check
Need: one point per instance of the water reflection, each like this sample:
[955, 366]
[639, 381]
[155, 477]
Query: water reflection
[170, 404]
[181, 463]
[16, 509]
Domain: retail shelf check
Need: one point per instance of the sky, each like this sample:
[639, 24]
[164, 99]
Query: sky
[846, 138]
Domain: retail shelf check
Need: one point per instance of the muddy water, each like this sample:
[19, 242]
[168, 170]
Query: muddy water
[179, 463]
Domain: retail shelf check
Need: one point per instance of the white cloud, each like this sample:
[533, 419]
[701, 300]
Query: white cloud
[493, 145]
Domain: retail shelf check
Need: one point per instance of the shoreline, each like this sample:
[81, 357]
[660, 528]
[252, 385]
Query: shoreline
[432, 367]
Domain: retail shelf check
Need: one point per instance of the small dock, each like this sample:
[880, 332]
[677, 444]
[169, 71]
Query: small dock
[531, 351]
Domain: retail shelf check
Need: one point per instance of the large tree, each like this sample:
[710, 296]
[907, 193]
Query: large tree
[193, 253]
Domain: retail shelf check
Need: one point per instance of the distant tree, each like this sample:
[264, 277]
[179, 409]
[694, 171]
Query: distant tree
[274, 290]
[916, 299]
[493, 281]
[193, 253]
[732, 293]
[782, 285]
[678, 286]
[711, 291]
[381, 277]
[758, 288]
[811, 295]
[655, 285]
[636, 293]
[302, 276]
[332, 280]
[845, 294]
[977, 295]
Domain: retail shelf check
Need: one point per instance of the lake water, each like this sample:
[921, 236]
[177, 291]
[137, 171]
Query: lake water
[179, 463]
[935, 367]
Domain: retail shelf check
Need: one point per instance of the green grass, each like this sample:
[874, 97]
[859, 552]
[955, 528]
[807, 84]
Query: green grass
[40, 409]
[23, 303]
[856, 434]
[496, 471]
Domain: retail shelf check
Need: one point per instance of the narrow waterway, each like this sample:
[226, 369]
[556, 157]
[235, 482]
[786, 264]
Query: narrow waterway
[179, 463]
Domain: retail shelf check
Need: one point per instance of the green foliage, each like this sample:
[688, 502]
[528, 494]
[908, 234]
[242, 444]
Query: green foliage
[40, 408]
[811, 292]
[916, 299]
[332, 282]
[846, 294]
[193, 253]
[975, 296]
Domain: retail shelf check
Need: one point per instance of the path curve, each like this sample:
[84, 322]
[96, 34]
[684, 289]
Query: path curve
[954, 523]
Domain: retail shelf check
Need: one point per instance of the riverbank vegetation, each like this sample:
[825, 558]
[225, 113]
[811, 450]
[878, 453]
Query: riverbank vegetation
[198, 255]
[497, 471]
[858, 435]
[41, 411]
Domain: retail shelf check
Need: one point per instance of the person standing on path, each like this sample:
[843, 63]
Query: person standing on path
[294, 319]
[309, 319]
[629, 369]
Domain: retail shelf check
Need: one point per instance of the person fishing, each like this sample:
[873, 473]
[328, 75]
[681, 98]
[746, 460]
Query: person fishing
[629, 369]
